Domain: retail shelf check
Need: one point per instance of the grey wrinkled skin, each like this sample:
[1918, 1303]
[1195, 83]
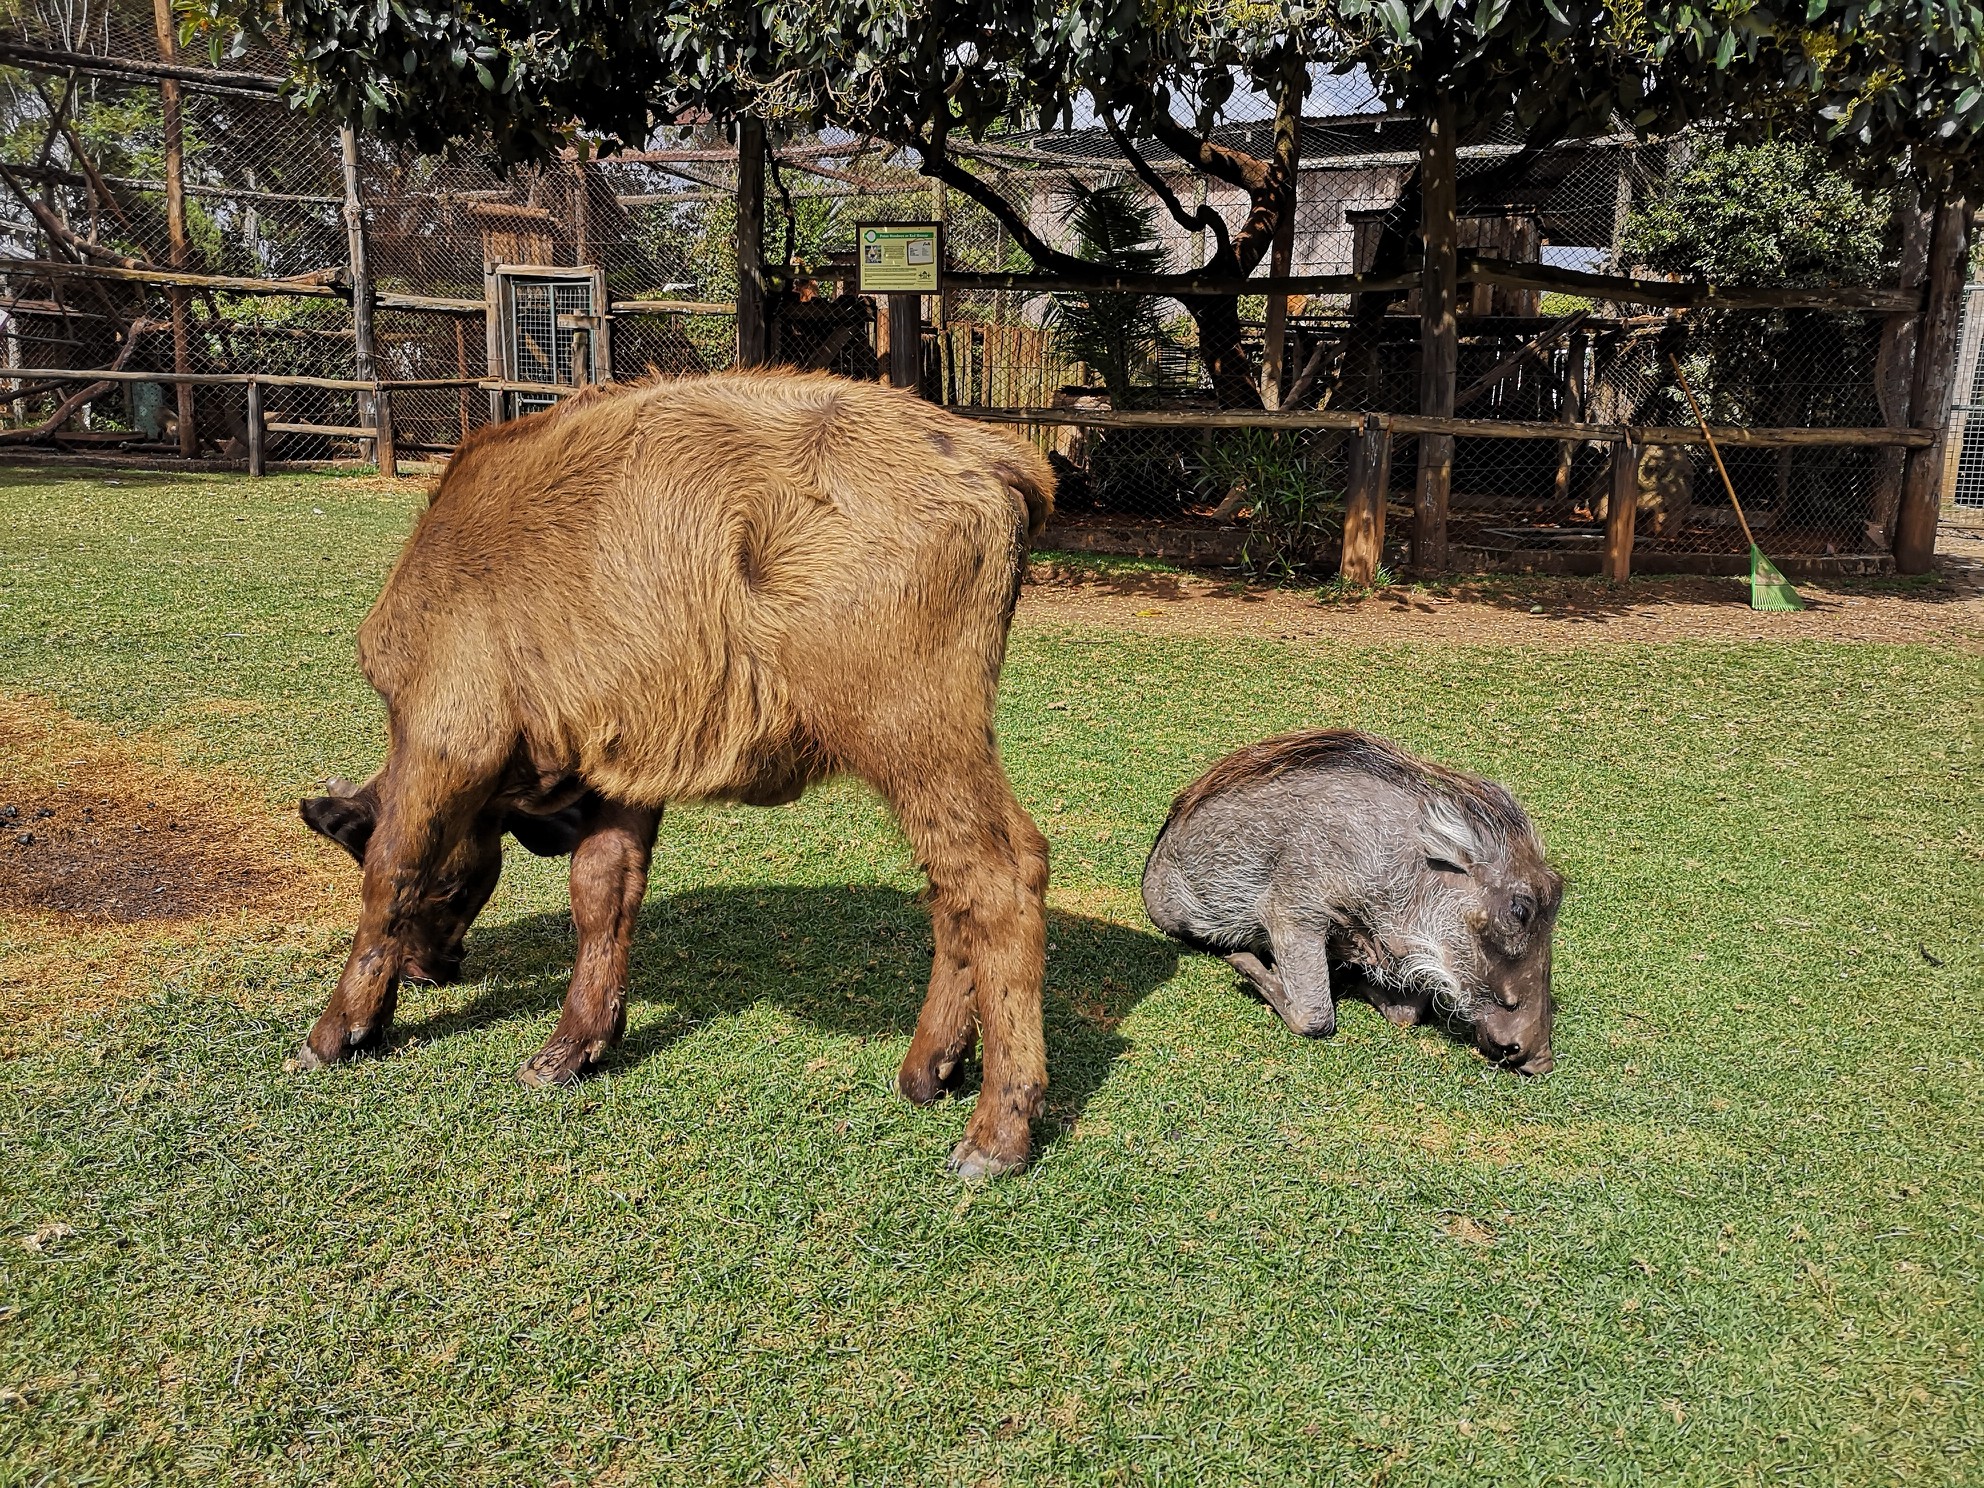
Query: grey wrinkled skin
[1316, 854]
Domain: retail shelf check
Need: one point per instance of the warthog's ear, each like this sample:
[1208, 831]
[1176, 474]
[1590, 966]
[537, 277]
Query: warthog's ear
[1448, 839]
[346, 820]
[553, 835]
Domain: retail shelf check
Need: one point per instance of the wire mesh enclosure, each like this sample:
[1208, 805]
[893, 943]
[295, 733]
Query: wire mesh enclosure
[448, 292]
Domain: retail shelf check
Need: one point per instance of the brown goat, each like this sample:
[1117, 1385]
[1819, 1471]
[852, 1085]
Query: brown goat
[719, 588]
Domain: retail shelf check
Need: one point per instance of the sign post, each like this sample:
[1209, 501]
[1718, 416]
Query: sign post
[903, 261]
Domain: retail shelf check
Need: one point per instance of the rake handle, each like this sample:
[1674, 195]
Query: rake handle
[1714, 453]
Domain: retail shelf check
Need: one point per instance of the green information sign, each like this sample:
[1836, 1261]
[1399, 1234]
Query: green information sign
[899, 257]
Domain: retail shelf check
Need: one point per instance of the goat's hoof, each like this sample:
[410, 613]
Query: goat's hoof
[973, 1161]
[558, 1063]
[925, 1082]
[302, 1061]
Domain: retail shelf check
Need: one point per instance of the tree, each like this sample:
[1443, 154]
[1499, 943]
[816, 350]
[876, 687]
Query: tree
[1111, 330]
[1893, 92]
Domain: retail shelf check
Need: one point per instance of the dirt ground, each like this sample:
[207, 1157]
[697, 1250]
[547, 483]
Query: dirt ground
[1517, 611]
[109, 855]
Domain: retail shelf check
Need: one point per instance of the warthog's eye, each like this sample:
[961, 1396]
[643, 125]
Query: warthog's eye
[1445, 865]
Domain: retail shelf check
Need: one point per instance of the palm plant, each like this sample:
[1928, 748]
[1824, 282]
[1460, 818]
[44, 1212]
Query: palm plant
[1112, 331]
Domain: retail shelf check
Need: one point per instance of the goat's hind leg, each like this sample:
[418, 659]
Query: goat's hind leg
[987, 864]
[609, 880]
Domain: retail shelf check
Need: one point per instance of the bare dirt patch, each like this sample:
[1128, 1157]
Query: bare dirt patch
[92, 832]
[1537, 612]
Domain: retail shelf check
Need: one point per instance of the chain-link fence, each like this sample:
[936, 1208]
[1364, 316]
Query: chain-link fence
[484, 284]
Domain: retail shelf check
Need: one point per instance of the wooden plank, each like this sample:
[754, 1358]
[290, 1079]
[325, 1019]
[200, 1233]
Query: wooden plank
[349, 431]
[220, 283]
[1364, 503]
[199, 379]
[1622, 510]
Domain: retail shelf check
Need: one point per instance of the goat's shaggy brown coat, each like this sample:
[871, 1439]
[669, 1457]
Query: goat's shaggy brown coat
[714, 588]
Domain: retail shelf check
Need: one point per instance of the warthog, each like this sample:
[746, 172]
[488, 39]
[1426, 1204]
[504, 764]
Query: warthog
[1334, 849]
[721, 588]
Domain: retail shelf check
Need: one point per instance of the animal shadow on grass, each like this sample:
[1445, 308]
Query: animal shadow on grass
[849, 960]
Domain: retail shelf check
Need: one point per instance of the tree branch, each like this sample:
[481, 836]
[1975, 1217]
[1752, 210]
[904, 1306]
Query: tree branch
[1203, 220]
[939, 165]
[1217, 161]
[77, 399]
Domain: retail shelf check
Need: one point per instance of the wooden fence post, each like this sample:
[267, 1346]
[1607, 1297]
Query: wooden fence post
[906, 341]
[385, 448]
[1567, 452]
[1439, 334]
[751, 338]
[1364, 503]
[180, 299]
[1935, 378]
[258, 432]
[1622, 509]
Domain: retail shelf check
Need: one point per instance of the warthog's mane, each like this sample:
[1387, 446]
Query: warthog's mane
[1482, 804]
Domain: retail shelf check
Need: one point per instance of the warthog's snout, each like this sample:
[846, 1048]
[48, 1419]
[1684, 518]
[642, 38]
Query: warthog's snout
[1516, 1057]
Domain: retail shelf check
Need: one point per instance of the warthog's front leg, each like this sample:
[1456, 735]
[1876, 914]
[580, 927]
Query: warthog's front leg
[609, 880]
[1298, 989]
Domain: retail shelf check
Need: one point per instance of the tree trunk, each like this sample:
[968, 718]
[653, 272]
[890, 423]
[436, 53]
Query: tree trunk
[1287, 149]
[1934, 380]
[1894, 367]
[1222, 351]
[1439, 340]
[175, 227]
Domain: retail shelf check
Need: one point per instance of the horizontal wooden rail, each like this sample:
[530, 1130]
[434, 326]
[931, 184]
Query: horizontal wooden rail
[1542, 278]
[439, 304]
[1681, 295]
[218, 79]
[673, 307]
[1177, 286]
[350, 431]
[198, 379]
[1412, 423]
[223, 283]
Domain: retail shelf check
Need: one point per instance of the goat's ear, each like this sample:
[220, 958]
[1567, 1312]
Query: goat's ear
[346, 820]
[1448, 839]
[551, 836]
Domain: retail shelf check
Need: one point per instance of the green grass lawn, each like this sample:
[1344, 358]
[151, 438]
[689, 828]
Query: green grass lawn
[1735, 1238]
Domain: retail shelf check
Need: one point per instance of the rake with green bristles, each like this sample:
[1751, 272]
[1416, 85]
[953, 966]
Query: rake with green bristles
[1769, 588]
